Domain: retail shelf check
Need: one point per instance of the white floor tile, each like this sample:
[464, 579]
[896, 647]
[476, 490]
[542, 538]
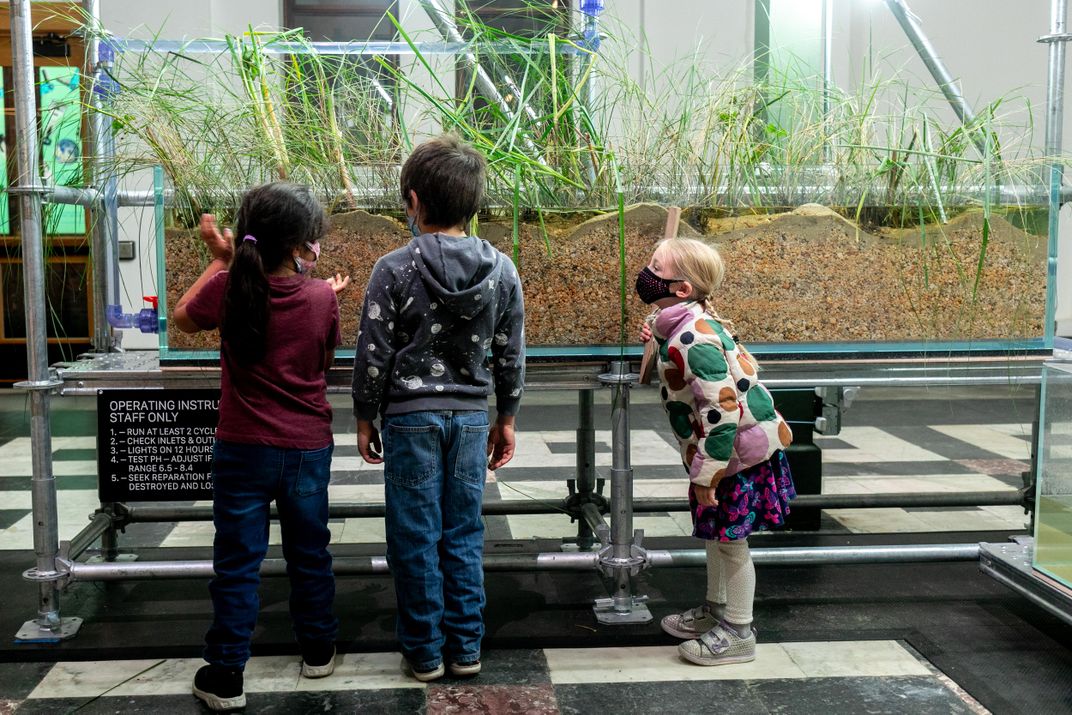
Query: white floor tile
[854, 658]
[552, 526]
[871, 444]
[660, 664]
[364, 671]
[883, 521]
[83, 679]
[647, 447]
[773, 660]
[999, 439]
[129, 678]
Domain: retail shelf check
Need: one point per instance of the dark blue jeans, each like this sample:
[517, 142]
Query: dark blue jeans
[435, 464]
[246, 478]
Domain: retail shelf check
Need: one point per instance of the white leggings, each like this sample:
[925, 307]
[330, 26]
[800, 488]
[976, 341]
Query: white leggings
[731, 579]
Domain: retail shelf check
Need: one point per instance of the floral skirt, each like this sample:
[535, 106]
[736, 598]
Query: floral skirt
[754, 499]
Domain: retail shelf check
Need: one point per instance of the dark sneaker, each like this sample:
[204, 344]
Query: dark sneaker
[318, 660]
[462, 670]
[424, 675]
[220, 688]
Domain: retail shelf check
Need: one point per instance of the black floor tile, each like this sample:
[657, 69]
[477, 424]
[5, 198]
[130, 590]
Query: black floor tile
[709, 696]
[10, 516]
[507, 667]
[65, 455]
[17, 680]
[918, 695]
[882, 469]
[387, 702]
[832, 443]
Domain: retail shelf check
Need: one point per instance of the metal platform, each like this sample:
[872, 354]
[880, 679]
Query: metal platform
[580, 368]
[1010, 564]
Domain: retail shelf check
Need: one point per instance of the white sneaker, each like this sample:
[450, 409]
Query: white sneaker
[693, 623]
[719, 646]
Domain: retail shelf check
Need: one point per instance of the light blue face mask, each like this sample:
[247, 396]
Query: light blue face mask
[411, 221]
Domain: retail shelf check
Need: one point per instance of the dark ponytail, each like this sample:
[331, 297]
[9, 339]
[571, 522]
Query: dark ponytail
[272, 221]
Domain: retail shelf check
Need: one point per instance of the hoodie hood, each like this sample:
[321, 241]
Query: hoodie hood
[675, 318]
[461, 273]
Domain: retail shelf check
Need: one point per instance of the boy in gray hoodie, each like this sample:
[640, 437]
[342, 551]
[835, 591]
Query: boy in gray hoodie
[432, 312]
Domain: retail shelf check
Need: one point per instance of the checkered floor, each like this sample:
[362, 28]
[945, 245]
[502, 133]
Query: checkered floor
[923, 441]
[940, 453]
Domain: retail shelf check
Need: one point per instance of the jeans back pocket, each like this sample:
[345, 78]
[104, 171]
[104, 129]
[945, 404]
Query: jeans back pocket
[411, 453]
[314, 471]
[471, 461]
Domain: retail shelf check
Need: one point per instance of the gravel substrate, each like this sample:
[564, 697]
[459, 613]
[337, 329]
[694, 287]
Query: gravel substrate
[804, 276]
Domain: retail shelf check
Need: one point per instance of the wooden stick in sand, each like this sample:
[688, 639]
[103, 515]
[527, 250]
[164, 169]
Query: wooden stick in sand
[647, 363]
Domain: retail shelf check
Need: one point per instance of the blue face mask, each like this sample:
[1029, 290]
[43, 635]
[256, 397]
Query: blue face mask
[411, 221]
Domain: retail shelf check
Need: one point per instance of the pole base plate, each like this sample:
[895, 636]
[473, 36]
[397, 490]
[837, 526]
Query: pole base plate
[36, 632]
[607, 615]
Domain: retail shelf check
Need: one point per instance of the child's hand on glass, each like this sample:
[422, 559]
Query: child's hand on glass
[338, 283]
[221, 246]
[705, 495]
[645, 332]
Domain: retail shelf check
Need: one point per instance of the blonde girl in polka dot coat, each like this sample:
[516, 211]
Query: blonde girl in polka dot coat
[731, 440]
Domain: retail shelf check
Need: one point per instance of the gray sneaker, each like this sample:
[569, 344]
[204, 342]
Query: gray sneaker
[719, 646]
[693, 623]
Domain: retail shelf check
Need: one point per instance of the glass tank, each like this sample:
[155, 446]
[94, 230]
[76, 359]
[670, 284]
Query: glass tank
[847, 230]
[1053, 501]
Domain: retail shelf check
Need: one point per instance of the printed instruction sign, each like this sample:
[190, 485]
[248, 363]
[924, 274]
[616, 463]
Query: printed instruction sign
[155, 445]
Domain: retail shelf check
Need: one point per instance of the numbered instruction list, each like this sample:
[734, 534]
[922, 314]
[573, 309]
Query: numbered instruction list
[156, 445]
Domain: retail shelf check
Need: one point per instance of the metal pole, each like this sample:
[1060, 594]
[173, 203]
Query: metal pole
[48, 626]
[586, 462]
[623, 557]
[155, 514]
[446, 25]
[95, 130]
[1055, 111]
[828, 72]
[551, 561]
[910, 24]
[99, 524]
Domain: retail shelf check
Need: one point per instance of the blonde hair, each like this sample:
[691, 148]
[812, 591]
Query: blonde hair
[701, 265]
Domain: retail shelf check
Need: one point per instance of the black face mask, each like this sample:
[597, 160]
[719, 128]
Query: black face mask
[651, 287]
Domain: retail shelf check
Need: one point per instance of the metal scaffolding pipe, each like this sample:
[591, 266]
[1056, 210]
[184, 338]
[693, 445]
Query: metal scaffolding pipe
[593, 518]
[830, 555]
[592, 515]
[447, 27]
[1005, 194]
[865, 501]
[148, 514]
[1055, 110]
[30, 191]
[910, 24]
[98, 524]
[550, 561]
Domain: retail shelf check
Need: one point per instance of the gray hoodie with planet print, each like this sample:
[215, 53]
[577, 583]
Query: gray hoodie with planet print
[433, 310]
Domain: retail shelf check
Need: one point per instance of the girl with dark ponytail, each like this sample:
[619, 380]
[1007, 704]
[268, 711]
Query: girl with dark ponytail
[278, 334]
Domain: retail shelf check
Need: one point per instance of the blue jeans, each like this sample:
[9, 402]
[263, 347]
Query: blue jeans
[435, 464]
[246, 478]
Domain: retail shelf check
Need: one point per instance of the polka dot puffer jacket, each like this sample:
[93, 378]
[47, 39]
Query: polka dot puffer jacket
[723, 418]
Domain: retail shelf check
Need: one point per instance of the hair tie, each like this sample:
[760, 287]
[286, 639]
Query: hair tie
[249, 238]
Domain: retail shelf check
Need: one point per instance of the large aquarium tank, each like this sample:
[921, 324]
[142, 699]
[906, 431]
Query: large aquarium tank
[1053, 499]
[853, 222]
